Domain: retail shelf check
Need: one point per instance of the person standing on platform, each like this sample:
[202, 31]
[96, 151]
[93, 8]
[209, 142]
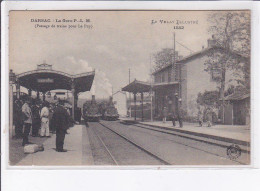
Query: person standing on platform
[165, 113]
[52, 129]
[18, 121]
[178, 111]
[60, 121]
[27, 120]
[78, 114]
[36, 120]
[200, 117]
[209, 116]
[45, 131]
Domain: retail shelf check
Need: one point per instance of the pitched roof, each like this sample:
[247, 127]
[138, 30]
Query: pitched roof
[199, 53]
[140, 86]
[44, 80]
[238, 96]
[137, 86]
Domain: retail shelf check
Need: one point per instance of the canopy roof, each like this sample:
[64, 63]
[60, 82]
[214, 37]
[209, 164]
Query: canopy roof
[137, 87]
[164, 85]
[44, 79]
[237, 96]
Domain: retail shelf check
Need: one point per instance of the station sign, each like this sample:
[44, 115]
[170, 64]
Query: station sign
[45, 80]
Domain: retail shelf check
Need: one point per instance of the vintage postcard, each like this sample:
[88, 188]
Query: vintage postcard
[129, 88]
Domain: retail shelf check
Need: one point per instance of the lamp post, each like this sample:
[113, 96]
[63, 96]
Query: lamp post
[12, 79]
[73, 98]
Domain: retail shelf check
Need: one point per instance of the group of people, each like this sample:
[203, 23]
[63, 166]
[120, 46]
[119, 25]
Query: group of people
[206, 114]
[38, 118]
[176, 115]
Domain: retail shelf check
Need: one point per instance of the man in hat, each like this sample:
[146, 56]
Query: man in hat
[178, 111]
[36, 120]
[27, 120]
[18, 120]
[60, 121]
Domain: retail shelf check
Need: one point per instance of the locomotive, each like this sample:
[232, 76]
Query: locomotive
[108, 111]
[91, 111]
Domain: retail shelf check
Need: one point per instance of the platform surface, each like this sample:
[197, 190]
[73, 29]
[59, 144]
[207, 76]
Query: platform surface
[77, 144]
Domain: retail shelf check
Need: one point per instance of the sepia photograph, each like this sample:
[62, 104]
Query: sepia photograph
[130, 88]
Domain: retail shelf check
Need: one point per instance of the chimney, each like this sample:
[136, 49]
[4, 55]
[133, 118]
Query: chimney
[93, 100]
[110, 100]
[212, 42]
[180, 57]
[176, 55]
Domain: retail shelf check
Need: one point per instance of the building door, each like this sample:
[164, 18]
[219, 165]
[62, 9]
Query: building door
[228, 114]
[239, 113]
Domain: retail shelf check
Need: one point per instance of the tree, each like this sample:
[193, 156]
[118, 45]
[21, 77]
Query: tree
[231, 33]
[208, 98]
[163, 58]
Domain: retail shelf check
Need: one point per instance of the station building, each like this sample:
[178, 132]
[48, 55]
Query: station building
[186, 78]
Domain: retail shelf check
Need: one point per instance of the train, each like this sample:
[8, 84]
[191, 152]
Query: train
[108, 110]
[91, 111]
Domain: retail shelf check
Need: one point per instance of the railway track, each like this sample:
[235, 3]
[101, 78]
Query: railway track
[113, 150]
[194, 138]
[106, 148]
[110, 153]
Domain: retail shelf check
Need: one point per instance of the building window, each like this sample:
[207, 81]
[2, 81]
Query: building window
[169, 75]
[157, 78]
[163, 77]
[215, 74]
[177, 72]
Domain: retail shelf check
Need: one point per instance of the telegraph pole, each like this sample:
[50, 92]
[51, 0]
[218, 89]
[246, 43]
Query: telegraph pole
[130, 114]
[151, 91]
[173, 63]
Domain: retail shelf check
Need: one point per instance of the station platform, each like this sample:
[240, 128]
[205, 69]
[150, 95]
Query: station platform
[77, 144]
[237, 134]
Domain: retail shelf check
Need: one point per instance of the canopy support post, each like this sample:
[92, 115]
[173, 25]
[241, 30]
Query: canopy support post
[18, 90]
[142, 102]
[151, 93]
[11, 110]
[43, 96]
[135, 104]
[73, 99]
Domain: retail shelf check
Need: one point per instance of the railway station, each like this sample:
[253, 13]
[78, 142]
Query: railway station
[104, 138]
[44, 79]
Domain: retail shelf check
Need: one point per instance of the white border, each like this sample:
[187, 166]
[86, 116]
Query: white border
[9, 172]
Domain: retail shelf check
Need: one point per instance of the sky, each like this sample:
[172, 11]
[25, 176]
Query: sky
[116, 42]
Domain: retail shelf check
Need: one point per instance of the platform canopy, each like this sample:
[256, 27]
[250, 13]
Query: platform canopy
[164, 85]
[137, 87]
[44, 79]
